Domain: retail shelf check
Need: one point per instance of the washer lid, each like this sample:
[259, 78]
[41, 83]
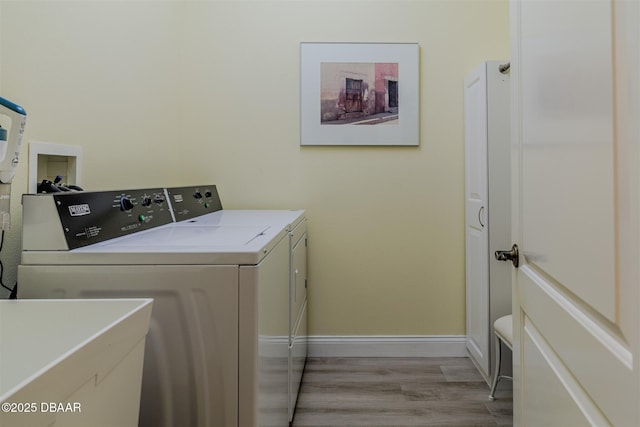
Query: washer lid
[186, 239]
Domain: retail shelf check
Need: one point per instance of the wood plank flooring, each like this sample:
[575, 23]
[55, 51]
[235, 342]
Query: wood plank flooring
[399, 392]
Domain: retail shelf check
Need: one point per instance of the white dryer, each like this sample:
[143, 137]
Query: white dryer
[227, 341]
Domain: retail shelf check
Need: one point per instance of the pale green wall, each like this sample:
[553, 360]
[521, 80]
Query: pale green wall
[190, 92]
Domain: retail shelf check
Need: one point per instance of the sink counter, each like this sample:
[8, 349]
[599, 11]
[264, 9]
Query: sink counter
[72, 362]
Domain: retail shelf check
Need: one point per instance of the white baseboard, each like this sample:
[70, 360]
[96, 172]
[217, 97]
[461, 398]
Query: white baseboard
[387, 346]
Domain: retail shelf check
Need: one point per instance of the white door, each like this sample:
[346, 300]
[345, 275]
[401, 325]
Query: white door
[476, 230]
[576, 192]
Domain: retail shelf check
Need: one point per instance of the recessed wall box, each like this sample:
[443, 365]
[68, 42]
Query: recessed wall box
[47, 160]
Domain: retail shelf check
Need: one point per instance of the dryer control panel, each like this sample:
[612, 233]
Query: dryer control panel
[190, 202]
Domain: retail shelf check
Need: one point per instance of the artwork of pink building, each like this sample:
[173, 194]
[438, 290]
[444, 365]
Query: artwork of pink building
[386, 86]
[352, 91]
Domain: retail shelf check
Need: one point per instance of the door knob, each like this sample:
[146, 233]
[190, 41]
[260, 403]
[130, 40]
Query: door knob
[511, 255]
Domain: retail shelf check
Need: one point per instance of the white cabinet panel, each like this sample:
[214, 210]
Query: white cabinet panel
[487, 204]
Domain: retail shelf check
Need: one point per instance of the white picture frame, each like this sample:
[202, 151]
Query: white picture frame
[359, 94]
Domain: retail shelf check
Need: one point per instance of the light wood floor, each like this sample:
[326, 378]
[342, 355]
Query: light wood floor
[398, 392]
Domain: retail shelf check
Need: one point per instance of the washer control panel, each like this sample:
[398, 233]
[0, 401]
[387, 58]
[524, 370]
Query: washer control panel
[92, 217]
[190, 202]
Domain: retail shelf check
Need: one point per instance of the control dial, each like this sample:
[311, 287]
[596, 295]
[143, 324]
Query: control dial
[126, 204]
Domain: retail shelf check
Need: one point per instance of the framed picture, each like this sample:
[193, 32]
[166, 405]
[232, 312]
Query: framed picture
[359, 94]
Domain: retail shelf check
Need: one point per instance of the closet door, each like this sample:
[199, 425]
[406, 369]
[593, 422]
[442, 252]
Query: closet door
[576, 214]
[476, 226]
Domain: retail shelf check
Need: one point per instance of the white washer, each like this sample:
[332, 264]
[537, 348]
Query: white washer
[227, 341]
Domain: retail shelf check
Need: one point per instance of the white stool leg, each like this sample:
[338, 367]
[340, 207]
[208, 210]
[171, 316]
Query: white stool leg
[496, 374]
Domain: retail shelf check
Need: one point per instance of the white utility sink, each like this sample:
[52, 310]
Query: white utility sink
[72, 362]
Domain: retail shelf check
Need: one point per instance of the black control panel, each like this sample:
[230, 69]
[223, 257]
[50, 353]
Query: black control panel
[190, 202]
[92, 217]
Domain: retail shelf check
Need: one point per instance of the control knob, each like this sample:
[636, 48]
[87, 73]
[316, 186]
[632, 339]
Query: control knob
[126, 204]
